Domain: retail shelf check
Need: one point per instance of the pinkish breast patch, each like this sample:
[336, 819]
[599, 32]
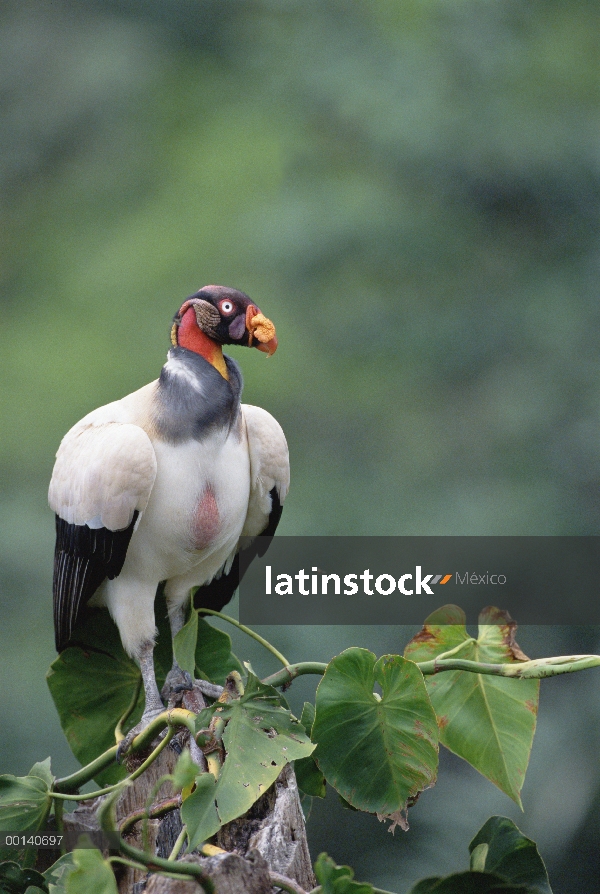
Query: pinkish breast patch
[206, 521]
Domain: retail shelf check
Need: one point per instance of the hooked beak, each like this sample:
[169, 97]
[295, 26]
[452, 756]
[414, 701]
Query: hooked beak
[260, 330]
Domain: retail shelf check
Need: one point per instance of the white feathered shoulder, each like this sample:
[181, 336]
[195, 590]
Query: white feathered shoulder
[269, 467]
[104, 472]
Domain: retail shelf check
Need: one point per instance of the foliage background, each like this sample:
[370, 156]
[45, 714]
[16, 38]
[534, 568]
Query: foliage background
[411, 191]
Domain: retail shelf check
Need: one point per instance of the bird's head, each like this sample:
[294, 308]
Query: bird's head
[216, 316]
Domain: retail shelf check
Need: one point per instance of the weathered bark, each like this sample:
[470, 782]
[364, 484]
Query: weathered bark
[270, 837]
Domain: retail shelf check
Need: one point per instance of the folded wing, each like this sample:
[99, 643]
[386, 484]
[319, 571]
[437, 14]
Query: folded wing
[101, 483]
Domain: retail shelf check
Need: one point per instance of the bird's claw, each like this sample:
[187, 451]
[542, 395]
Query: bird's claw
[184, 687]
[177, 680]
[125, 744]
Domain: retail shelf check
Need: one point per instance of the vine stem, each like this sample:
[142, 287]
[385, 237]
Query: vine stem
[291, 671]
[119, 734]
[173, 718]
[125, 862]
[170, 866]
[108, 823]
[159, 809]
[249, 631]
[178, 844]
[536, 669]
[113, 788]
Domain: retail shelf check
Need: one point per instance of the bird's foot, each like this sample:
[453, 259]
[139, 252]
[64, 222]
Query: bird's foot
[125, 744]
[177, 680]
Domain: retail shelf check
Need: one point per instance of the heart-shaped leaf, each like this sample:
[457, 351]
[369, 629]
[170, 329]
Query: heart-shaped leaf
[487, 720]
[92, 684]
[24, 802]
[377, 751]
[93, 681]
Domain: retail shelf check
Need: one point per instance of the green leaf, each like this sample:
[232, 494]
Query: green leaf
[261, 736]
[31, 889]
[92, 684]
[338, 879]
[487, 720]
[199, 811]
[185, 771]
[184, 644]
[376, 751]
[91, 873]
[214, 658]
[308, 776]
[307, 718]
[509, 853]
[56, 875]
[24, 802]
[16, 880]
[468, 883]
[42, 771]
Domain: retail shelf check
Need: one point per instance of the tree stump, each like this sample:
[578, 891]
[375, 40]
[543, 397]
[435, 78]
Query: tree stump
[270, 837]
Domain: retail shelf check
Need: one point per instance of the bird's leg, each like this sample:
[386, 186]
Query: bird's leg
[177, 680]
[153, 702]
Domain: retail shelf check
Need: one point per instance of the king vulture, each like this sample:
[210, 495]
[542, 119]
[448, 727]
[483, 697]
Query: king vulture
[163, 484]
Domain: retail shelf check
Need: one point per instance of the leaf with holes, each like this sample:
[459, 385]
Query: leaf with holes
[377, 751]
[261, 736]
[487, 720]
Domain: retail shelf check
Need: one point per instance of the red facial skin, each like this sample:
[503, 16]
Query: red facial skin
[190, 336]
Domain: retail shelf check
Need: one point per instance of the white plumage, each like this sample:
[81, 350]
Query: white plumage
[161, 485]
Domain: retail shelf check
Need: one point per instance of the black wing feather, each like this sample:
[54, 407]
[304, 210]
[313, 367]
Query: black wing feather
[219, 591]
[83, 558]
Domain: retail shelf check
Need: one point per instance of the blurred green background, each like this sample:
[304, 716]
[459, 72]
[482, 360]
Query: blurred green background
[411, 191]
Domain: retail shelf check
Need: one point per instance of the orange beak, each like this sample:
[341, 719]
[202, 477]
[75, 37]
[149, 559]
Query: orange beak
[261, 330]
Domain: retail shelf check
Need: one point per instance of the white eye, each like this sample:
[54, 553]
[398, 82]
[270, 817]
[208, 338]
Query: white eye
[227, 307]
